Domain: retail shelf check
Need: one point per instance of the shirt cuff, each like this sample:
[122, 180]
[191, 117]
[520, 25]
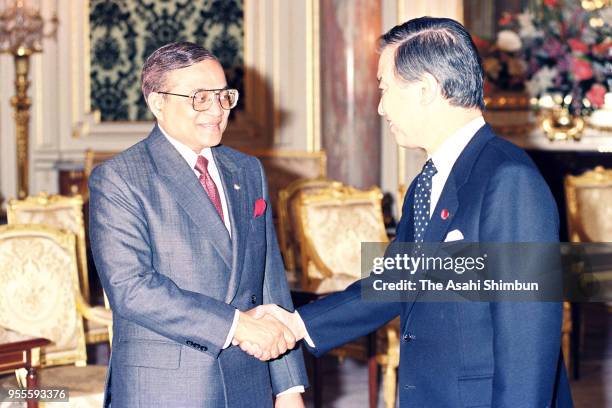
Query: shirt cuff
[292, 390]
[230, 335]
[306, 335]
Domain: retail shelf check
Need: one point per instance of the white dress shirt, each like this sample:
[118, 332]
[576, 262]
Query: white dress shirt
[446, 155]
[191, 158]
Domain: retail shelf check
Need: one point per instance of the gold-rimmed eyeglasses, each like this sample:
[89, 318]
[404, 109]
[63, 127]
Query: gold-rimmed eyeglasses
[202, 99]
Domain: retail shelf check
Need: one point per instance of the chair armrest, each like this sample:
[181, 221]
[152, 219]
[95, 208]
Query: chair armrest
[98, 314]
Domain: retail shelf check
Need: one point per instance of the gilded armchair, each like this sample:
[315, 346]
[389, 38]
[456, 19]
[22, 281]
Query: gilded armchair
[589, 205]
[287, 214]
[92, 159]
[332, 225]
[66, 213]
[589, 218]
[39, 297]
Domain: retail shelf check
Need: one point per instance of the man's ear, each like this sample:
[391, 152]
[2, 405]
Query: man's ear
[156, 104]
[430, 89]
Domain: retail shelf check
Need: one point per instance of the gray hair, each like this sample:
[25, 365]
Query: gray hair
[168, 58]
[443, 48]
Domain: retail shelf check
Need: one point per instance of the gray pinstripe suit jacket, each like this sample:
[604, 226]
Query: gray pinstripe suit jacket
[174, 279]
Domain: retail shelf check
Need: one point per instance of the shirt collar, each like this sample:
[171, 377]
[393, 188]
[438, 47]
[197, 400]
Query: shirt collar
[189, 155]
[446, 155]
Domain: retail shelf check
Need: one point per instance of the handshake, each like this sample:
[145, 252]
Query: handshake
[268, 331]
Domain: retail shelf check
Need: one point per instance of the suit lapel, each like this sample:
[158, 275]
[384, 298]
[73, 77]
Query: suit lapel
[188, 192]
[449, 199]
[436, 230]
[234, 185]
[406, 225]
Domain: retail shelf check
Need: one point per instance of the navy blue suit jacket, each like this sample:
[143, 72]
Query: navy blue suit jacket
[468, 354]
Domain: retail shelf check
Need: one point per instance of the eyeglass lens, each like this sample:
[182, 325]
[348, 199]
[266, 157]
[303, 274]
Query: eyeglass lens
[202, 100]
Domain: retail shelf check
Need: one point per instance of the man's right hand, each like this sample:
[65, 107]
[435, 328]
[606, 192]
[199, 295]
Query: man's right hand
[264, 338]
[292, 320]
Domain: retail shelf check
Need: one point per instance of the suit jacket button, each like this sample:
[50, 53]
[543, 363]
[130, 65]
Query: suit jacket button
[409, 337]
[253, 299]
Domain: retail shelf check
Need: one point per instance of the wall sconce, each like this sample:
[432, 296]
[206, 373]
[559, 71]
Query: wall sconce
[22, 30]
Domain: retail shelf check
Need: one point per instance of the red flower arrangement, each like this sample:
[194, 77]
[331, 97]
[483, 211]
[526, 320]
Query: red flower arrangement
[567, 51]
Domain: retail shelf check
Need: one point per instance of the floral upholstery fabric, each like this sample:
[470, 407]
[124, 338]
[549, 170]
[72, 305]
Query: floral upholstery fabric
[595, 213]
[37, 296]
[334, 229]
[59, 217]
[337, 232]
[64, 213]
[305, 186]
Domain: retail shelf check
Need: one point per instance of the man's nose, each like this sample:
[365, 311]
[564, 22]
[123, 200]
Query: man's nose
[215, 108]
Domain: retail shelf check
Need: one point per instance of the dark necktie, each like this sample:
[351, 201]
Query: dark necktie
[422, 200]
[208, 183]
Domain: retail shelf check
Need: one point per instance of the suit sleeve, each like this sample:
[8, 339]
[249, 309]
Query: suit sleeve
[287, 371]
[137, 292]
[343, 317]
[519, 207]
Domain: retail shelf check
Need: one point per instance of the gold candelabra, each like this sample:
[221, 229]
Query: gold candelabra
[22, 30]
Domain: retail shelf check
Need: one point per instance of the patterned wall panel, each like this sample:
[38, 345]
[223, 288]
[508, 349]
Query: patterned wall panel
[124, 32]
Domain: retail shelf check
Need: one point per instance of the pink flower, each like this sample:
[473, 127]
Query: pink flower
[550, 3]
[564, 63]
[505, 19]
[578, 46]
[596, 95]
[602, 49]
[581, 69]
[481, 44]
[553, 48]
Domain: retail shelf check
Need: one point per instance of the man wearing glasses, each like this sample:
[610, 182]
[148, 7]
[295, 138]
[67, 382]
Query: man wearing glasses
[183, 241]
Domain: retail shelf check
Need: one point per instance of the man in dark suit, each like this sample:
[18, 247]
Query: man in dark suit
[183, 241]
[474, 187]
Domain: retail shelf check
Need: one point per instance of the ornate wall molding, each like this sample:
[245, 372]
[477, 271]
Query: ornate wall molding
[87, 121]
[124, 33]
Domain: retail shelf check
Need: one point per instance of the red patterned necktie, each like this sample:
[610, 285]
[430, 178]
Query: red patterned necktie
[208, 183]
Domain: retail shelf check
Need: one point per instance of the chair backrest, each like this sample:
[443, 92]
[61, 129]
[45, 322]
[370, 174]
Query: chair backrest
[332, 225]
[287, 214]
[60, 212]
[285, 166]
[37, 296]
[589, 205]
[92, 159]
